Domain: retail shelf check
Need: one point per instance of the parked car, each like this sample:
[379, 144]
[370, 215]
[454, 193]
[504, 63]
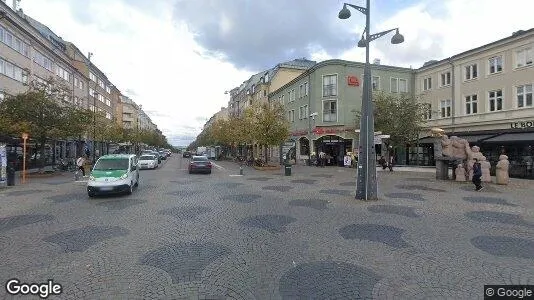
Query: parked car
[163, 155]
[148, 161]
[200, 164]
[151, 152]
[186, 154]
[115, 173]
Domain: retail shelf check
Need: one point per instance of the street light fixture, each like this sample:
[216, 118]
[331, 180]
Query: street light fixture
[366, 184]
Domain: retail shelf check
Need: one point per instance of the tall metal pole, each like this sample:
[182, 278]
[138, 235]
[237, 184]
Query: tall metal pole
[94, 125]
[366, 185]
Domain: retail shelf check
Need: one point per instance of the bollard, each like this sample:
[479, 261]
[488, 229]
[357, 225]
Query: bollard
[240, 170]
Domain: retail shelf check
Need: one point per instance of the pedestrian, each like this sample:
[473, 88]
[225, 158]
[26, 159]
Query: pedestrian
[477, 175]
[80, 163]
[390, 164]
[382, 162]
[322, 158]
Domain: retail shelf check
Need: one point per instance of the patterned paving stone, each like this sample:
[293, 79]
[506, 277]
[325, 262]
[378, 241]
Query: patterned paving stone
[410, 196]
[184, 193]
[488, 200]
[336, 192]
[471, 188]
[350, 183]
[242, 198]
[12, 222]
[26, 192]
[259, 178]
[230, 185]
[318, 204]
[185, 213]
[414, 187]
[181, 181]
[498, 217]
[305, 181]
[505, 246]
[328, 280]
[66, 197]
[322, 175]
[184, 262]
[120, 204]
[418, 179]
[388, 235]
[271, 223]
[279, 188]
[79, 240]
[394, 210]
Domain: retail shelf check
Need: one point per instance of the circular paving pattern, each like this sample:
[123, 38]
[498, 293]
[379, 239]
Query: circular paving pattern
[259, 178]
[321, 175]
[66, 197]
[230, 185]
[120, 204]
[488, 200]
[487, 188]
[410, 196]
[328, 280]
[419, 179]
[185, 213]
[9, 223]
[306, 181]
[280, 188]
[242, 198]
[414, 187]
[505, 246]
[184, 262]
[271, 223]
[79, 240]
[394, 210]
[26, 192]
[388, 235]
[336, 192]
[184, 193]
[498, 217]
[318, 204]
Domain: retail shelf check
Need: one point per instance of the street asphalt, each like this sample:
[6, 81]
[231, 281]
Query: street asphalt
[264, 235]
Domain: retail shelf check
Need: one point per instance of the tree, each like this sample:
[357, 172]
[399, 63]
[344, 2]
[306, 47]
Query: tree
[400, 116]
[269, 126]
[43, 113]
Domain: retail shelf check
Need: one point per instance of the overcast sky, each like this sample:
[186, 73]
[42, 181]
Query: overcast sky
[178, 57]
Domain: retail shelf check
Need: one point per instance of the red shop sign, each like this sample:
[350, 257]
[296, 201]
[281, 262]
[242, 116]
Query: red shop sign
[353, 81]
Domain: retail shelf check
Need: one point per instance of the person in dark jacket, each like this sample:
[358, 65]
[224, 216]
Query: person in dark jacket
[477, 175]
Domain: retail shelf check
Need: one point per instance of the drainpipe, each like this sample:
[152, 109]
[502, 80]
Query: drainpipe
[453, 92]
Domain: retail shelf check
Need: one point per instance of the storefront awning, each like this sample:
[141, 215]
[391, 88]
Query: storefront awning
[512, 137]
[427, 140]
[475, 138]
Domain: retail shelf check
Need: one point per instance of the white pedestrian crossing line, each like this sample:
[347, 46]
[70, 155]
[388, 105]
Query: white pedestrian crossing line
[234, 175]
[217, 166]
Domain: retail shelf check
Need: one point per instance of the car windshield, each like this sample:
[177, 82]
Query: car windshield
[200, 158]
[147, 157]
[112, 164]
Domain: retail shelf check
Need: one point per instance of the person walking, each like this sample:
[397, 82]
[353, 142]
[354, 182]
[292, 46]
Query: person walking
[80, 163]
[477, 175]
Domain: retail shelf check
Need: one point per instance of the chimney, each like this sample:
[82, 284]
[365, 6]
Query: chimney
[376, 61]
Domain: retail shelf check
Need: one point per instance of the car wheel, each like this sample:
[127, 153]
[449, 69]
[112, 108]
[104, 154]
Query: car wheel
[91, 194]
[209, 172]
[130, 189]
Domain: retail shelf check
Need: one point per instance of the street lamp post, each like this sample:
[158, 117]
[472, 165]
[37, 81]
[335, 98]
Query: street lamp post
[94, 124]
[366, 184]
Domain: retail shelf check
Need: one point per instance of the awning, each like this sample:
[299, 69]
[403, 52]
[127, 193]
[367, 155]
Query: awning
[475, 138]
[427, 140]
[512, 137]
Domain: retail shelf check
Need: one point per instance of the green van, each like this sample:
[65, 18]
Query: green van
[116, 173]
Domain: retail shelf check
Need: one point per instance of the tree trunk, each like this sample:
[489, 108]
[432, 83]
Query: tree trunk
[266, 150]
[42, 159]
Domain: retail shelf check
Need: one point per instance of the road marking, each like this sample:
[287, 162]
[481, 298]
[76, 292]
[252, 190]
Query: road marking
[234, 175]
[217, 166]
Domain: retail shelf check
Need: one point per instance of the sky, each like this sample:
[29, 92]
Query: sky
[177, 58]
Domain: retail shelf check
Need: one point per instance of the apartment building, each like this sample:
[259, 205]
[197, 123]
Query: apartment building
[222, 114]
[485, 96]
[129, 113]
[321, 104]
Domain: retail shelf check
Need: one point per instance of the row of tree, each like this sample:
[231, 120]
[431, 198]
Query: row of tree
[45, 116]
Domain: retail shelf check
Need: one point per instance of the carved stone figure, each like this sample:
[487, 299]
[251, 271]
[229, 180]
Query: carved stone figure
[446, 146]
[472, 153]
[460, 173]
[485, 166]
[458, 147]
[502, 170]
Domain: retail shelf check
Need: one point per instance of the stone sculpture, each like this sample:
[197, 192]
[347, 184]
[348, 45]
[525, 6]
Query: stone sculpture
[459, 147]
[446, 146]
[502, 170]
[485, 166]
[472, 153]
[460, 173]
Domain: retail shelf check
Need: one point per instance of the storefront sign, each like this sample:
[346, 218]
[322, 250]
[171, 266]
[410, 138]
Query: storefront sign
[527, 124]
[299, 133]
[353, 81]
[329, 130]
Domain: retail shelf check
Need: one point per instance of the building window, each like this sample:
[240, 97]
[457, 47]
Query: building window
[524, 57]
[264, 93]
[62, 73]
[427, 84]
[301, 91]
[403, 85]
[108, 115]
[329, 85]
[446, 79]
[108, 89]
[43, 61]
[12, 71]
[471, 104]
[306, 112]
[301, 112]
[524, 96]
[495, 100]
[445, 108]
[305, 89]
[394, 85]
[92, 77]
[91, 92]
[330, 111]
[495, 64]
[471, 72]
[427, 111]
[291, 116]
[13, 42]
[101, 83]
[376, 83]
[108, 102]
[283, 99]
[291, 95]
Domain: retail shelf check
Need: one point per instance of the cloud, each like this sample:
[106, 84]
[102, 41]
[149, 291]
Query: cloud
[256, 35]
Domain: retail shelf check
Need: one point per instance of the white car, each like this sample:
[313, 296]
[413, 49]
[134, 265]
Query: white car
[116, 173]
[148, 161]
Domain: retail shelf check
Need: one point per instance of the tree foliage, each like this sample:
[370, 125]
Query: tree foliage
[400, 116]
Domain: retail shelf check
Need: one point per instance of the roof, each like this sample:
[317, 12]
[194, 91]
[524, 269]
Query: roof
[515, 35]
[47, 33]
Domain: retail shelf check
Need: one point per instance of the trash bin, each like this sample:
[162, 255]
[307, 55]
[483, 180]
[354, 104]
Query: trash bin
[287, 169]
[10, 175]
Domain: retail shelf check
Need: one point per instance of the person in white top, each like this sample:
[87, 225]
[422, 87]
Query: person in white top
[80, 162]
